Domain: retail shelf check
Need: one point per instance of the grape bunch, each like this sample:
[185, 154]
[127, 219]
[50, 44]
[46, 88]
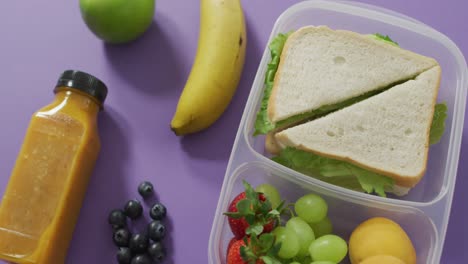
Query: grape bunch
[297, 233]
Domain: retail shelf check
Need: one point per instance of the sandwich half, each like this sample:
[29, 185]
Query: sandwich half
[377, 145]
[317, 70]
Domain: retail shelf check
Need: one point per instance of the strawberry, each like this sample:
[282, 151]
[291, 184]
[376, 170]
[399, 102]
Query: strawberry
[253, 250]
[231, 242]
[240, 225]
[233, 255]
[250, 212]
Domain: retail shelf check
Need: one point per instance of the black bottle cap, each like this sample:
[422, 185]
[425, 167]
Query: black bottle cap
[83, 82]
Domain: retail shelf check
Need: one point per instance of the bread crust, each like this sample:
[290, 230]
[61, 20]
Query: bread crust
[271, 145]
[271, 106]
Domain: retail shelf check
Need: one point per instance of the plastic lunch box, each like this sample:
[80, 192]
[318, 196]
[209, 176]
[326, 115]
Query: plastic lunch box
[424, 212]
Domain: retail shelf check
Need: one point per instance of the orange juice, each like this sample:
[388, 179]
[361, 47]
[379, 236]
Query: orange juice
[46, 188]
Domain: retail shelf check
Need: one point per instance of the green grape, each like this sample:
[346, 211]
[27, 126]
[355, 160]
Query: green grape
[295, 262]
[324, 227]
[289, 242]
[328, 248]
[323, 262]
[304, 233]
[271, 193]
[304, 260]
[311, 208]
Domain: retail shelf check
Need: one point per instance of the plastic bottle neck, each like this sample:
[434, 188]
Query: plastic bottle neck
[69, 98]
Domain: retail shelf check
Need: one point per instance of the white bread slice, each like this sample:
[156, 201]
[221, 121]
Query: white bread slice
[320, 66]
[387, 133]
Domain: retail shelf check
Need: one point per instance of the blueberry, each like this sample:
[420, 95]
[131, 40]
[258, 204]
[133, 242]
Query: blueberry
[145, 189]
[121, 237]
[139, 243]
[124, 256]
[158, 211]
[156, 230]
[157, 252]
[117, 219]
[141, 259]
[133, 209]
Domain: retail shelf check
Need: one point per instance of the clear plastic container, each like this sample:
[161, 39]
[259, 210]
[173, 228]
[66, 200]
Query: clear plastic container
[425, 211]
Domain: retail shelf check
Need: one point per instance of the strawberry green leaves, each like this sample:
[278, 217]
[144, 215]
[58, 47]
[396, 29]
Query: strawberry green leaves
[254, 209]
[257, 211]
[260, 248]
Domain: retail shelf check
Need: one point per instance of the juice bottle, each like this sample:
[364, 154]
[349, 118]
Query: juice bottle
[43, 198]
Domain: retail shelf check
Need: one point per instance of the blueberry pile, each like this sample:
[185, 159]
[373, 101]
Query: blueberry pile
[144, 247]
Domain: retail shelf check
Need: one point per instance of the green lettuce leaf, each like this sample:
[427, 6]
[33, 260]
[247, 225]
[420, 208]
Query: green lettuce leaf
[438, 123]
[372, 182]
[335, 172]
[263, 124]
[384, 38]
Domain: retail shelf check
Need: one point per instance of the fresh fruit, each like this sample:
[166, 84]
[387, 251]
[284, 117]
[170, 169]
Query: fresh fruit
[250, 212]
[240, 225]
[141, 259]
[158, 211]
[293, 243]
[289, 242]
[258, 250]
[306, 260]
[138, 243]
[217, 67]
[271, 193]
[146, 189]
[117, 219]
[311, 208]
[231, 242]
[328, 248]
[237, 225]
[233, 256]
[324, 227]
[380, 236]
[133, 209]
[121, 237]
[156, 230]
[157, 252]
[304, 234]
[382, 259]
[117, 21]
[124, 255]
[144, 246]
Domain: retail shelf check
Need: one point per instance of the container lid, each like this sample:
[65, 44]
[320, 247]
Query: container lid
[83, 82]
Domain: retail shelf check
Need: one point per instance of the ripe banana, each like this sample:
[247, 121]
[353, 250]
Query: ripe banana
[217, 67]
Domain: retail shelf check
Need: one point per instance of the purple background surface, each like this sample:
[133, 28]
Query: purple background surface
[40, 39]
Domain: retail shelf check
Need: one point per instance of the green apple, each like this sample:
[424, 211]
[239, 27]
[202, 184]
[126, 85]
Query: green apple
[117, 21]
